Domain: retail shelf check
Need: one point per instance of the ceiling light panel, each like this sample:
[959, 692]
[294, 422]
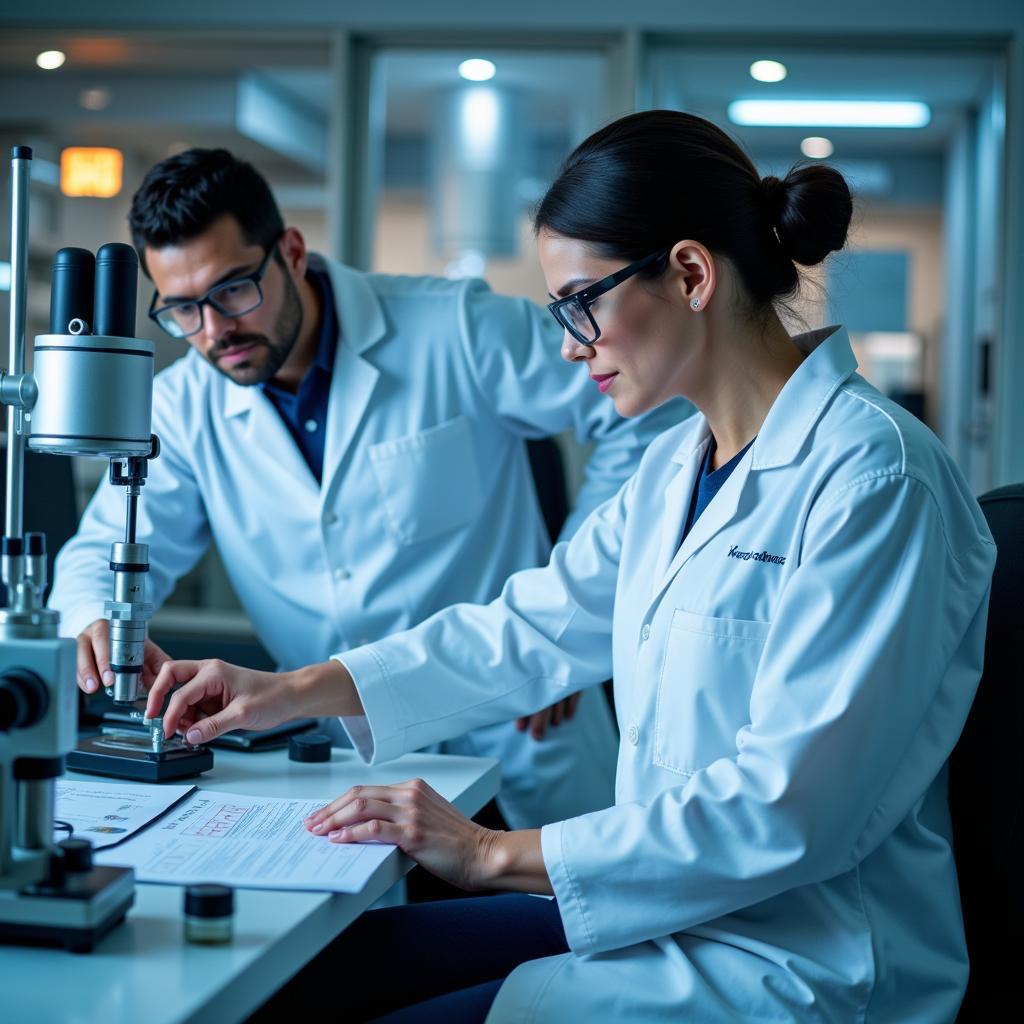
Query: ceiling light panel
[831, 113]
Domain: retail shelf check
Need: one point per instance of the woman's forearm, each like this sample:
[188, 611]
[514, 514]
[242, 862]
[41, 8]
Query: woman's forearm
[514, 863]
[325, 690]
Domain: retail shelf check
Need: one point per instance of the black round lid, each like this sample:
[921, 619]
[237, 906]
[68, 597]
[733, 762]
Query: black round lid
[77, 855]
[35, 543]
[209, 900]
[13, 546]
[310, 746]
[21, 153]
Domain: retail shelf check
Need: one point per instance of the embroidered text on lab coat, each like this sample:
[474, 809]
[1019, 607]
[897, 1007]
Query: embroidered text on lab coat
[757, 556]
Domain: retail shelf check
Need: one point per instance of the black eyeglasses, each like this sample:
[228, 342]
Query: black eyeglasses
[236, 297]
[573, 312]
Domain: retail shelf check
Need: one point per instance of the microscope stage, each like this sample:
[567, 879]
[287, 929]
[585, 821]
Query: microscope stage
[127, 755]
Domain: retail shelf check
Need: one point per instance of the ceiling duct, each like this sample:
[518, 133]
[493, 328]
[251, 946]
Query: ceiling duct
[478, 163]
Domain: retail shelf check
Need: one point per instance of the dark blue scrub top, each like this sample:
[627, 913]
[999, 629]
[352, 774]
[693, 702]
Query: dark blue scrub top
[709, 483]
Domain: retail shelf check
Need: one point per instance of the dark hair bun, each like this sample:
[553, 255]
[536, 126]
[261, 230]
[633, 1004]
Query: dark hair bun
[810, 210]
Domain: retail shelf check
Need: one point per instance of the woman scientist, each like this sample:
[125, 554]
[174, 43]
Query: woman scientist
[791, 596]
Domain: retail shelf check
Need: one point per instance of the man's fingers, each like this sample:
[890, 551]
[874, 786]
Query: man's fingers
[571, 704]
[539, 723]
[88, 673]
[101, 655]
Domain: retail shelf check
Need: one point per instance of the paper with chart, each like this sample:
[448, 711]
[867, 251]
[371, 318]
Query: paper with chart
[246, 841]
[109, 812]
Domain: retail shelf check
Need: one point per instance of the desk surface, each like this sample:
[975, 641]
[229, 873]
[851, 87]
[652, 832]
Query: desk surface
[144, 969]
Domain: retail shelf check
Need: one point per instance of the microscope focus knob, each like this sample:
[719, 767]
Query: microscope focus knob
[76, 856]
[24, 699]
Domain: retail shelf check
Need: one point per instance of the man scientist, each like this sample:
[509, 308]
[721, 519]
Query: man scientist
[354, 444]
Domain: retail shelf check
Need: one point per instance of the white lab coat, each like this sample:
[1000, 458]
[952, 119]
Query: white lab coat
[789, 684]
[427, 497]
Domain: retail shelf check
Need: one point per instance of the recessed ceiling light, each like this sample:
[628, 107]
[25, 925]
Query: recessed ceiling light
[477, 70]
[94, 99]
[768, 71]
[817, 147]
[834, 113]
[50, 60]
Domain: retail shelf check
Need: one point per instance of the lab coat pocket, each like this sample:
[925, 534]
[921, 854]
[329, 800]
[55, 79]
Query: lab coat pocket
[704, 690]
[429, 482]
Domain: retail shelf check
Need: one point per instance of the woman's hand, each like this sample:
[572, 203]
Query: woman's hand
[218, 697]
[431, 831]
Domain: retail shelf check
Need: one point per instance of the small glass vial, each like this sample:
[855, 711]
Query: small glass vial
[209, 914]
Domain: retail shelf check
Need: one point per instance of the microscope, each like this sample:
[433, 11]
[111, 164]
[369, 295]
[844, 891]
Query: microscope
[90, 393]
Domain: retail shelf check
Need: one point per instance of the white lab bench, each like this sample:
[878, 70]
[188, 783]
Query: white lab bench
[144, 969]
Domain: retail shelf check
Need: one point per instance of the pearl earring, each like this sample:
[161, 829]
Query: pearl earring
[695, 303]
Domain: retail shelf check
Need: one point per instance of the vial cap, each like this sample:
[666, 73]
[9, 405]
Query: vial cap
[310, 747]
[209, 900]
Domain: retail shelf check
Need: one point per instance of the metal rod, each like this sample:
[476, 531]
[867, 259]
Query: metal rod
[132, 516]
[20, 170]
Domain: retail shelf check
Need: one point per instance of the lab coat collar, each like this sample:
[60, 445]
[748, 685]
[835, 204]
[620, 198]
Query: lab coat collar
[800, 403]
[793, 415]
[829, 363]
[360, 319]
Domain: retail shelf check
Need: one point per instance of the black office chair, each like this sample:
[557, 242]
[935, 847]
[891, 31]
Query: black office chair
[986, 782]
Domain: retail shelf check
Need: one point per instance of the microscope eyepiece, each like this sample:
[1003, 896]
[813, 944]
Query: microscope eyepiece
[13, 546]
[117, 282]
[71, 293]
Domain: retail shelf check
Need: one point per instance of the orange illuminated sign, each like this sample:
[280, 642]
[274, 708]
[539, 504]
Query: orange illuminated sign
[91, 171]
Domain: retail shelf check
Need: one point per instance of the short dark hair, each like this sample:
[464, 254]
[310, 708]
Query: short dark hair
[653, 178]
[183, 195]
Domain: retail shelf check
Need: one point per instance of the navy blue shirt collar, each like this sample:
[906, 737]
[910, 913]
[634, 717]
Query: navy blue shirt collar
[305, 413]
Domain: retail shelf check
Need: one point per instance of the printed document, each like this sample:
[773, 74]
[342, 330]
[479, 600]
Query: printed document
[109, 812]
[249, 842]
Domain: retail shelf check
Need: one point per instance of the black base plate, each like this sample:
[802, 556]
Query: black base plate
[77, 938]
[120, 758]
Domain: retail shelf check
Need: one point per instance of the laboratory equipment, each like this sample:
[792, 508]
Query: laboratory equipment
[49, 892]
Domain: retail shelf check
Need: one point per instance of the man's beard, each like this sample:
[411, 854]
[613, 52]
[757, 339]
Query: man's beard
[279, 347]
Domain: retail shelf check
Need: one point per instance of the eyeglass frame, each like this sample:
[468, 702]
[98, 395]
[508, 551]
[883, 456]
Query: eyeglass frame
[255, 277]
[586, 297]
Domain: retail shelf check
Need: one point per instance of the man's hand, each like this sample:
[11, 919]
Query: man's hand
[94, 658]
[554, 715]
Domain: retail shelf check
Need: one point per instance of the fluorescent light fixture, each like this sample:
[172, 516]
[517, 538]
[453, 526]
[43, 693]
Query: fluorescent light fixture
[50, 60]
[479, 124]
[768, 71]
[477, 70]
[834, 113]
[816, 147]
